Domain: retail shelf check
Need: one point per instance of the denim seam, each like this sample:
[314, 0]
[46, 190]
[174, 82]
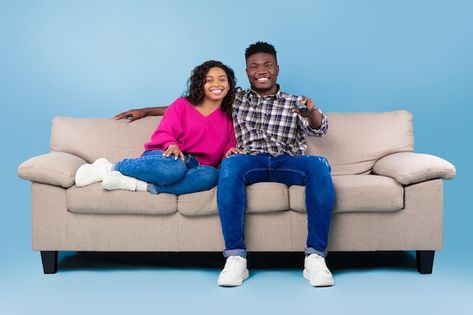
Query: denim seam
[294, 171]
[253, 170]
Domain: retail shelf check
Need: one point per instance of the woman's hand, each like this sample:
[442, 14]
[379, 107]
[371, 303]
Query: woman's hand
[232, 151]
[173, 149]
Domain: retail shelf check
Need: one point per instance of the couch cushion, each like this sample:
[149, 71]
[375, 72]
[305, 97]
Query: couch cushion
[94, 199]
[355, 193]
[261, 197]
[92, 138]
[409, 168]
[355, 141]
[54, 168]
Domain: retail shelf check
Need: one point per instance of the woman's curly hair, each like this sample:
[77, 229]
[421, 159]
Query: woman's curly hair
[195, 85]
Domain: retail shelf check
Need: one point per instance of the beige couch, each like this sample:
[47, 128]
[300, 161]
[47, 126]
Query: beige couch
[388, 198]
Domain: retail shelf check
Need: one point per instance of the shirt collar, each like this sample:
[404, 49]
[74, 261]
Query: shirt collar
[279, 94]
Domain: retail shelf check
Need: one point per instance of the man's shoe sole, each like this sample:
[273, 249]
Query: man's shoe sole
[319, 283]
[234, 283]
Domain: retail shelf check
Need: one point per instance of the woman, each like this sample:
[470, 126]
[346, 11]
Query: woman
[195, 134]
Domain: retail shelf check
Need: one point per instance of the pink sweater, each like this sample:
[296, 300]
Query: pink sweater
[206, 138]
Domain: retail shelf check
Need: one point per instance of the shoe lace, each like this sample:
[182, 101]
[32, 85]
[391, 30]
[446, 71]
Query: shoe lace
[232, 263]
[319, 263]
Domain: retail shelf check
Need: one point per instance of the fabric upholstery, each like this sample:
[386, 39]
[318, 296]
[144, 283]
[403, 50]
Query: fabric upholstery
[261, 197]
[372, 212]
[409, 167]
[94, 199]
[357, 193]
[419, 226]
[54, 168]
[355, 141]
[93, 138]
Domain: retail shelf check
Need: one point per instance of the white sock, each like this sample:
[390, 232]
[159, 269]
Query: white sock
[91, 173]
[141, 185]
[116, 180]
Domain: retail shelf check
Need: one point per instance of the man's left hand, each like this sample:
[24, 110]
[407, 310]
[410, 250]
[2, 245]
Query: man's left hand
[311, 108]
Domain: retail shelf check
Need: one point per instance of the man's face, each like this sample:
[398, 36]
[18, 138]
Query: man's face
[262, 71]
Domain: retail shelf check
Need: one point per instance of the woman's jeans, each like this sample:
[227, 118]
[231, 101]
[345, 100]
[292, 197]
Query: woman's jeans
[240, 170]
[169, 175]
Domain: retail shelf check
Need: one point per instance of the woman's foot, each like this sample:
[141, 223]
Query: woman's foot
[92, 173]
[116, 180]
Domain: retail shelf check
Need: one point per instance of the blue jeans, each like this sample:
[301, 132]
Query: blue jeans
[168, 175]
[238, 171]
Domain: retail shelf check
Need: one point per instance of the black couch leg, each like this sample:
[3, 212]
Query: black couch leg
[49, 259]
[425, 261]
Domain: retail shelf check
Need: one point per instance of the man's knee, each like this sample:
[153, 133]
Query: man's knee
[232, 166]
[319, 163]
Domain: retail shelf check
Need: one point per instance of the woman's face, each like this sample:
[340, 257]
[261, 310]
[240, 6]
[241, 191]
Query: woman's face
[216, 84]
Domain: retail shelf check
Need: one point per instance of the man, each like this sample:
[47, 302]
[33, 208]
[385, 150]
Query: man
[270, 126]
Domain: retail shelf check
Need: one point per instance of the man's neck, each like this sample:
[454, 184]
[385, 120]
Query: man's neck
[268, 92]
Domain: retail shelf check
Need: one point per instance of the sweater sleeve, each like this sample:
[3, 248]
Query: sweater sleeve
[231, 143]
[170, 128]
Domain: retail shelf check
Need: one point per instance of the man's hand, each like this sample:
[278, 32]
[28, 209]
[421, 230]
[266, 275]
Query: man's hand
[232, 151]
[173, 149]
[312, 114]
[135, 114]
[311, 108]
[132, 114]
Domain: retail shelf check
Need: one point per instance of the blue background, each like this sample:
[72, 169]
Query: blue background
[98, 58]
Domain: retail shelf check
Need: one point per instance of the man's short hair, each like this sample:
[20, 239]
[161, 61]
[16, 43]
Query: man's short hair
[260, 47]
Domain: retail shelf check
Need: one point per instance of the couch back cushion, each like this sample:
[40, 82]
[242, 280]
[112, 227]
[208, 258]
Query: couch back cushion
[355, 141]
[92, 138]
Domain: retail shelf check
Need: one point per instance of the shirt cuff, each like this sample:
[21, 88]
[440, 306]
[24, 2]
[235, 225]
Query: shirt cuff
[322, 130]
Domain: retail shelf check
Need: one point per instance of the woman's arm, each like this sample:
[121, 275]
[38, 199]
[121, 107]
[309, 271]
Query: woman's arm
[135, 114]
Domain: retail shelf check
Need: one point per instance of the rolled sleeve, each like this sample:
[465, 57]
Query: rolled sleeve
[321, 131]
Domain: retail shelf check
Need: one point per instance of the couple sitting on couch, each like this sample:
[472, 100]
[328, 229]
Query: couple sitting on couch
[254, 135]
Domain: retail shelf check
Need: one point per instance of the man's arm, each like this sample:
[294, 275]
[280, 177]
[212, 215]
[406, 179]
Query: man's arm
[135, 114]
[316, 121]
[312, 114]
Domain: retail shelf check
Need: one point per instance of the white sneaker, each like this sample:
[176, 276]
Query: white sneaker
[91, 173]
[234, 272]
[316, 271]
[116, 180]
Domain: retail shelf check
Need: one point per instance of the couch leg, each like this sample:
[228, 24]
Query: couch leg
[49, 259]
[425, 261]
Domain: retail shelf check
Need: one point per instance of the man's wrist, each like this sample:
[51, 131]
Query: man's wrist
[315, 119]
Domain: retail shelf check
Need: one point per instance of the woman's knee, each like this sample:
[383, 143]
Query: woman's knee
[207, 176]
[163, 170]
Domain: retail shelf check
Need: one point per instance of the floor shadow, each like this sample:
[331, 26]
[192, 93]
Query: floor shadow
[337, 262]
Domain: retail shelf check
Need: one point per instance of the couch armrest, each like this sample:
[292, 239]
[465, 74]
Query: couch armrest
[409, 168]
[54, 168]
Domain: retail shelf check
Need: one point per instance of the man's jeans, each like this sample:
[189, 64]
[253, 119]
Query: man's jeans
[240, 170]
[168, 175]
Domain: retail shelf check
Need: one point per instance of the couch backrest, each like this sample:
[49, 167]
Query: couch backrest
[352, 145]
[355, 141]
[92, 138]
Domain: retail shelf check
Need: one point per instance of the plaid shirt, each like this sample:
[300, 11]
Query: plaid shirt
[266, 124]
